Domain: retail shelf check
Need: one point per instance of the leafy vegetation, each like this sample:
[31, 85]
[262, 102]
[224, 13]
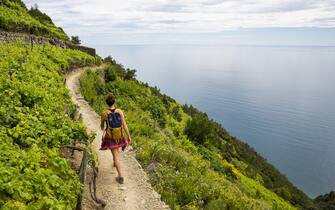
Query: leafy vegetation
[326, 201]
[75, 40]
[191, 160]
[40, 16]
[33, 124]
[17, 18]
[210, 135]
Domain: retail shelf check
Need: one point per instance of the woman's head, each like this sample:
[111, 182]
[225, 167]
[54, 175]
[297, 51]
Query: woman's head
[110, 100]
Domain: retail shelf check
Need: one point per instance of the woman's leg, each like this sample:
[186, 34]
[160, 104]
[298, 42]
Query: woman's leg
[117, 163]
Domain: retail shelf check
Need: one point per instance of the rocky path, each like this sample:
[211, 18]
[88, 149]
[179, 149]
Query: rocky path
[136, 193]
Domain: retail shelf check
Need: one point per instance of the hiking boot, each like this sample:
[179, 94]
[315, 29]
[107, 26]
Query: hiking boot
[120, 179]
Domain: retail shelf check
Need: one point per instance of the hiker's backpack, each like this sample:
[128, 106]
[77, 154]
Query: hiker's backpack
[114, 125]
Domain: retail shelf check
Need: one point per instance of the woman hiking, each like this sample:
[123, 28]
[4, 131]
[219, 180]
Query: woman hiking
[114, 126]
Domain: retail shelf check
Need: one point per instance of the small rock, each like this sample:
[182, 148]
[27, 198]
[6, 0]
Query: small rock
[122, 188]
[143, 202]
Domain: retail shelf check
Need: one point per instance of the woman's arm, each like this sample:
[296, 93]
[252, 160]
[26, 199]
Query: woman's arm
[124, 125]
[103, 119]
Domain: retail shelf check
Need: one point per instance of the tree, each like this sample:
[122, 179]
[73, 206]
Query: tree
[130, 74]
[175, 112]
[201, 130]
[75, 40]
[109, 60]
[110, 74]
[157, 112]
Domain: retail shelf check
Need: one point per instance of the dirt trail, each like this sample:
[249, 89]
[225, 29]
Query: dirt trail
[136, 193]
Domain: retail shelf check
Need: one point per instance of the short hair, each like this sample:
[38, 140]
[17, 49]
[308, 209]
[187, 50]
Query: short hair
[110, 100]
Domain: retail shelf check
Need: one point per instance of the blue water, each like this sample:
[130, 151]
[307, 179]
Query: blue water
[280, 100]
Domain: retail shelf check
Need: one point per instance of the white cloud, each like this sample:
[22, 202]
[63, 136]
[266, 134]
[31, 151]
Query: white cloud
[93, 17]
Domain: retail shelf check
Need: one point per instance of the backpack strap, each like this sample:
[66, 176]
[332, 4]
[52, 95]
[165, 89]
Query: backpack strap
[112, 110]
[108, 112]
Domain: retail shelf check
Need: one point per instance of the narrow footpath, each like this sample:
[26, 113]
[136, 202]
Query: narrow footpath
[136, 193]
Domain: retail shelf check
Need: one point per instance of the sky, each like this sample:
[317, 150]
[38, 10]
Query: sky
[245, 22]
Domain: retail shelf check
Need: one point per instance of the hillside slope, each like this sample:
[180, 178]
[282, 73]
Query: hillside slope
[15, 17]
[175, 145]
[33, 124]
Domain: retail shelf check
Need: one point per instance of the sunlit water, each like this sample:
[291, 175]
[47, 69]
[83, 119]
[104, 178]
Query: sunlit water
[281, 100]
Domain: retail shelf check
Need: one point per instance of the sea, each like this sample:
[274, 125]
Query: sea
[278, 99]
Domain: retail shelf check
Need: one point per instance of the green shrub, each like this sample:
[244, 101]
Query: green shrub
[33, 124]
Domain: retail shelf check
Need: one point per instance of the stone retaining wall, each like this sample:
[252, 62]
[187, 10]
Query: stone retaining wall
[9, 37]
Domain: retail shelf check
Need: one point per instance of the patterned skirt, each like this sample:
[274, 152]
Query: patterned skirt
[108, 143]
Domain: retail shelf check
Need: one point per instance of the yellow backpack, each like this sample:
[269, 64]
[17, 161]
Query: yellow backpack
[114, 125]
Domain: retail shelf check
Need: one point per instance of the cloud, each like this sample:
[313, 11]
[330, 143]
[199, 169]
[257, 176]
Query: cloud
[171, 21]
[327, 19]
[287, 6]
[127, 25]
[167, 7]
[93, 18]
[213, 2]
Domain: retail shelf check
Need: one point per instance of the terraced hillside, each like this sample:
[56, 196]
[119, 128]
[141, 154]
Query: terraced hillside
[16, 17]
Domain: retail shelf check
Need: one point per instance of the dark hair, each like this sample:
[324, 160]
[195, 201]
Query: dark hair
[110, 100]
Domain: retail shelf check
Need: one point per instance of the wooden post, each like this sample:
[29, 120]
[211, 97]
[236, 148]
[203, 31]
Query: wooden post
[31, 43]
[82, 175]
